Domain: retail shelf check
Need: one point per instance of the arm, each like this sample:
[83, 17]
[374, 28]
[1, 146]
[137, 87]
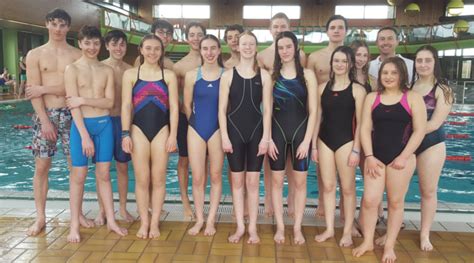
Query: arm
[70, 76]
[359, 96]
[267, 102]
[224, 89]
[33, 91]
[188, 93]
[33, 74]
[317, 125]
[372, 165]
[107, 102]
[303, 58]
[126, 114]
[418, 111]
[311, 86]
[441, 111]
[174, 110]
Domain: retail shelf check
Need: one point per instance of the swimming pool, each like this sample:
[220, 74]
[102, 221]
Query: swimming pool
[17, 164]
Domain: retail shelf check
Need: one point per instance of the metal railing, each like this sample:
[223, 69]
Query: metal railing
[463, 91]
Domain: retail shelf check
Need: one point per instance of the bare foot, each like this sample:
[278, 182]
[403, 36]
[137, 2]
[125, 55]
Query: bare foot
[346, 241]
[86, 222]
[126, 216]
[360, 250]
[195, 229]
[36, 227]
[381, 240]
[210, 229]
[425, 244]
[142, 232]
[268, 207]
[320, 211]
[324, 236]
[100, 219]
[253, 237]
[299, 238]
[188, 213]
[356, 232]
[235, 238]
[291, 214]
[74, 236]
[112, 226]
[279, 236]
[269, 212]
[154, 232]
[388, 256]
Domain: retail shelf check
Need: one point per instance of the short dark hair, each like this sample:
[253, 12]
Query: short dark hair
[194, 24]
[115, 35]
[89, 32]
[391, 28]
[60, 14]
[336, 17]
[161, 23]
[234, 27]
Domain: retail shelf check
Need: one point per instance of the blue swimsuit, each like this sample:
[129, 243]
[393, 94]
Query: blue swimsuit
[205, 106]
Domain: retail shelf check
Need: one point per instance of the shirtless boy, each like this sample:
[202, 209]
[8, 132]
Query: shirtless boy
[52, 120]
[116, 44]
[194, 33]
[231, 37]
[90, 96]
[318, 61]
[266, 58]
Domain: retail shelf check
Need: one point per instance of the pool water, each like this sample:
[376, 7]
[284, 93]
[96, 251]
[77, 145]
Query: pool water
[17, 163]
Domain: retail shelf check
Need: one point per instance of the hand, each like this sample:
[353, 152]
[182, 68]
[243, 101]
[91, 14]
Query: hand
[87, 146]
[171, 144]
[302, 150]
[314, 155]
[262, 147]
[127, 145]
[353, 160]
[373, 167]
[33, 91]
[48, 131]
[272, 150]
[398, 163]
[74, 102]
[227, 145]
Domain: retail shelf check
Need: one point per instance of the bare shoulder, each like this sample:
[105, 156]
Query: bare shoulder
[191, 74]
[169, 73]
[358, 88]
[413, 96]
[227, 73]
[308, 72]
[130, 72]
[316, 54]
[264, 73]
[71, 68]
[371, 97]
[126, 66]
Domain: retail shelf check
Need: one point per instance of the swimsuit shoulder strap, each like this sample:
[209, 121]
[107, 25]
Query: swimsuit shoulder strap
[199, 74]
[404, 102]
[138, 72]
[376, 101]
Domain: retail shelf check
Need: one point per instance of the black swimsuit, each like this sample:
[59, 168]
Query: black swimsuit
[290, 118]
[337, 127]
[434, 137]
[244, 123]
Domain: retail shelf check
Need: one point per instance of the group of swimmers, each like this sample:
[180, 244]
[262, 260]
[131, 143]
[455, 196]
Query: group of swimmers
[271, 108]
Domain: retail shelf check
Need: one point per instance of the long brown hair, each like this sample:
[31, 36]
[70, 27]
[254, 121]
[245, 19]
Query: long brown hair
[437, 72]
[350, 65]
[140, 46]
[402, 73]
[355, 45]
[277, 64]
[212, 37]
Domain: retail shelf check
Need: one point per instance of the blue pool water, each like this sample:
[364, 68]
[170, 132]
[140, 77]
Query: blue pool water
[17, 164]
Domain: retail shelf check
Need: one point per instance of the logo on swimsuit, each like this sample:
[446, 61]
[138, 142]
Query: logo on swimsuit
[209, 85]
[256, 83]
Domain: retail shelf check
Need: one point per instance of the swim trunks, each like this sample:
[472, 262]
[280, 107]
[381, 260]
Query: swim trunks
[61, 120]
[101, 133]
[182, 135]
[119, 155]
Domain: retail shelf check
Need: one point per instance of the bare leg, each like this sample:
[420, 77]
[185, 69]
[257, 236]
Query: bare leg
[76, 192]
[40, 189]
[216, 160]
[100, 218]
[197, 159]
[299, 179]
[183, 178]
[290, 199]
[320, 208]
[252, 183]
[277, 197]
[267, 180]
[238, 180]
[122, 178]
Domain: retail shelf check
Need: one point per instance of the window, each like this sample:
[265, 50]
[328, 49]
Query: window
[468, 52]
[366, 11]
[468, 11]
[466, 69]
[182, 11]
[267, 11]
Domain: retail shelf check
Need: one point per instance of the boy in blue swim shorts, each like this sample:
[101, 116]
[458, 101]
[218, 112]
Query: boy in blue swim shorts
[116, 44]
[90, 97]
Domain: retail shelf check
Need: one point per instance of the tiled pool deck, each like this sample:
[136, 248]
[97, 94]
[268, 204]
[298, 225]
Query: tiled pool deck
[452, 237]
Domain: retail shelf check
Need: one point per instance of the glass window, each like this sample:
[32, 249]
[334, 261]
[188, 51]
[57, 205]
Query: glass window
[267, 11]
[196, 11]
[468, 11]
[263, 35]
[450, 52]
[468, 52]
[440, 53]
[168, 11]
[466, 69]
[366, 11]
[459, 52]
